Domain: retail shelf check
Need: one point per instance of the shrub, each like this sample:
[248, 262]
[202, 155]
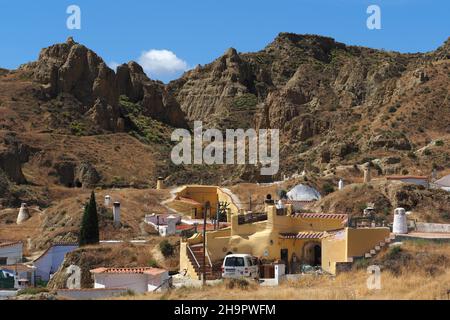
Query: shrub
[167, 249]
[439, 143]
[153, 263]
[32, 291]
[362, 263]
[282, 194]
[412, 155]
[392, 109]
[394, 252]
[328, 188]
[77, 128]
[238, 283]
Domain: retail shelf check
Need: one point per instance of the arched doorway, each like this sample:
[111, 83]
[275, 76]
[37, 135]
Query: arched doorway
[312, 254]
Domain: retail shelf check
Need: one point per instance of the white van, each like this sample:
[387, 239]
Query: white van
[239, 266]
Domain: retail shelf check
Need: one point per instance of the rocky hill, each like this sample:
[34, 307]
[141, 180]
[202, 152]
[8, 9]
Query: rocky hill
[334, 104]
[70, 121]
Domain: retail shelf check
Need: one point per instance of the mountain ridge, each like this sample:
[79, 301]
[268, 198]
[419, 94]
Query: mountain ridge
[335, 105]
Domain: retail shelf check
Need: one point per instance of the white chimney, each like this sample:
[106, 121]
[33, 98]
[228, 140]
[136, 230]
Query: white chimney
[171, 225]
[400, 223]
[116, 213]
[107, 200]
[23, 214]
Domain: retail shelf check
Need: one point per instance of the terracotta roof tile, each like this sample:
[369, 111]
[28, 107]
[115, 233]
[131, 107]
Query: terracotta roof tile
[9, 243]
[144, 270]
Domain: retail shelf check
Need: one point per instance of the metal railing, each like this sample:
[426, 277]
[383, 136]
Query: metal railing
[192, 255]
[209, 258]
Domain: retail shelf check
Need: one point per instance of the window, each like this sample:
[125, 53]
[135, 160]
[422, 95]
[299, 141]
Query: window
[234, 262]
[248, 262]
[240, 262]
[3, 261]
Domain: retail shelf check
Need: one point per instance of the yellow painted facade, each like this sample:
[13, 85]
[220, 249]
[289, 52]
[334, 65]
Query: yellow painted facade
[314, 239]
[190, 201]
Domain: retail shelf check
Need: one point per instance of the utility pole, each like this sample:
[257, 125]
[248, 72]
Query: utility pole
[217, 224]
[207, 210]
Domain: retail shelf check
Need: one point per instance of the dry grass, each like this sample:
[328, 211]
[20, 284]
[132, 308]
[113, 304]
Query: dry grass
[61, 221]
[347, 286]
[413, 282]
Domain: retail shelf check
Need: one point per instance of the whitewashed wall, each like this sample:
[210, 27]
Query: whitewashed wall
[50, 262]
[13, 253]
[134, 282]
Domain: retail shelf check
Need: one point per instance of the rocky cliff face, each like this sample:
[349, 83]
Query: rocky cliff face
[153, 96]
[71, 68]
[332, 103]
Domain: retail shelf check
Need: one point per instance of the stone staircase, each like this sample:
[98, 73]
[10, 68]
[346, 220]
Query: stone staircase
[195, 255]
[378, 247]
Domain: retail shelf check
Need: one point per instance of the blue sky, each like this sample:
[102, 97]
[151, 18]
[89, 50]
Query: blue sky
[198, 31]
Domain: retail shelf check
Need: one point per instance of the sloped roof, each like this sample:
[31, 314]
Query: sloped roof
[4, 244]
[444, 182]
[303, 192]
[322, 216]
[303, 235]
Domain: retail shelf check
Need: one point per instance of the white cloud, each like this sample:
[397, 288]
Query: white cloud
[162, 63]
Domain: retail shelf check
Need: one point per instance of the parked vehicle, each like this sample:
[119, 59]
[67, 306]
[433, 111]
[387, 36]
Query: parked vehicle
[240, 266]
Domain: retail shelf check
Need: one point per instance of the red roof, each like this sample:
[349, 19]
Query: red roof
[406, 177]
[321, 216]
[303, 235]
[9, 243]
[152, 271]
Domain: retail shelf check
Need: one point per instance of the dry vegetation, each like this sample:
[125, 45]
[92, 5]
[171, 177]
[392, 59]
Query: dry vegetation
[61, 221]
[116, 256]
[420, 270]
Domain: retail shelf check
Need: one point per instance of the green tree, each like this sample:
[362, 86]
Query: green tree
[89, 233]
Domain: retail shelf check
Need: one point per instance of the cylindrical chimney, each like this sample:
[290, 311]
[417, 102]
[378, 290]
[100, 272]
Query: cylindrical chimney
[107, 200]
[160, 183]
[400, 222]
[23, 214]
[116, 213]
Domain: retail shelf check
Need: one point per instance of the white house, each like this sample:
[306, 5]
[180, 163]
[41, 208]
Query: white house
[11, 252]
[138, 280]
[50, 261]
[165, 224]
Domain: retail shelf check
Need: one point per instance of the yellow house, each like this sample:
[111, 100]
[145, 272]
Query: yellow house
[191, 201]
[313, 238]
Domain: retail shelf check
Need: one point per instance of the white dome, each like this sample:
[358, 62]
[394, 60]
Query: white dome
[303, 192]
[444, 182]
